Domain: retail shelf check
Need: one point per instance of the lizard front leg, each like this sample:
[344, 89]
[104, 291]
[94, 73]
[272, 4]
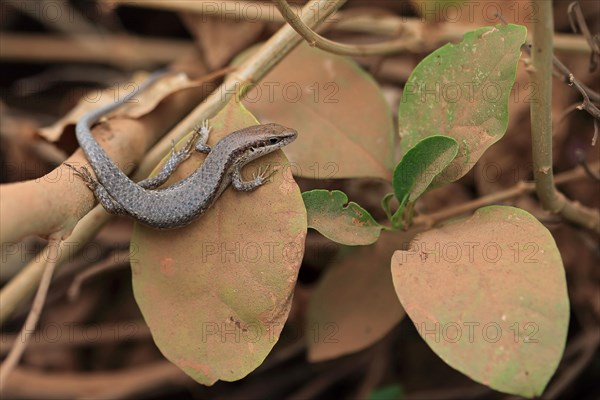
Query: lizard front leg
[196, 142]
[260, 178]
[203, 131]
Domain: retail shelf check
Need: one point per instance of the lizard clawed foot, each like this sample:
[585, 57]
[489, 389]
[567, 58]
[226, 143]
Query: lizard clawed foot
[186, 150]
[201, 132]
[205, 126]
[84, 174]
[261, 176]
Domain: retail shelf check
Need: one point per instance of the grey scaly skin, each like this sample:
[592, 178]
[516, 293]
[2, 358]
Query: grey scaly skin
[181, 203]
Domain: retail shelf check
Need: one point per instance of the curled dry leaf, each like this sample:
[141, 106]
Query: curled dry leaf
[141, 105]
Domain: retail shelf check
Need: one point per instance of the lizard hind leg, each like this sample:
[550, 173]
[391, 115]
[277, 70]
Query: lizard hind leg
[100, 192]
[84, 174]
[108, 202]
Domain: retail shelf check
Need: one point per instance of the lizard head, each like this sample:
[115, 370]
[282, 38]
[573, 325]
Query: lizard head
[255, 141]
[273, 136]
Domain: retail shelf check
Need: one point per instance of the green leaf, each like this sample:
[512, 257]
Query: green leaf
[488, 294]
[462, 91]
[421, 164]
[349, 224]
[216, 293]
[312, 91]
[391, 392]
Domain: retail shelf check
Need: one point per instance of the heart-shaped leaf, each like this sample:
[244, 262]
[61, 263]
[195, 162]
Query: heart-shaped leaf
[344, 123]
[347, 223]
[217, 293]
[462, 91]
[488, 295]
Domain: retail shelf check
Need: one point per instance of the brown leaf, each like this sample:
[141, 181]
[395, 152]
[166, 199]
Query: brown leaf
[217, 293]
[354, 304]
[221, 39]
[344, 124]
[488, 294]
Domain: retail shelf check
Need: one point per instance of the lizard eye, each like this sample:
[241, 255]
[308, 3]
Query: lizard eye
[274, 140]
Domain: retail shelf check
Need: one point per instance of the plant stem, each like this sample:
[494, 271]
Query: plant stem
[541, 115]
[407, 42]
[541, 125]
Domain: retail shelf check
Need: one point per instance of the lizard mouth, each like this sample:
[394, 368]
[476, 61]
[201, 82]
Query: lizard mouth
[289, 136]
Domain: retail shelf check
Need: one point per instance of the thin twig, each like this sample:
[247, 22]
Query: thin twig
[521, 188]
[541, 127]
[565, 113]
[564, 73]
[578, 23]
[122, 257]
[34, 314]
[586, 166]
[411, 42]
[587, 105]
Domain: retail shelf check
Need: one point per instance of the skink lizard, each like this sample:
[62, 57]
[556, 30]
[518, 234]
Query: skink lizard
[181, 203]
